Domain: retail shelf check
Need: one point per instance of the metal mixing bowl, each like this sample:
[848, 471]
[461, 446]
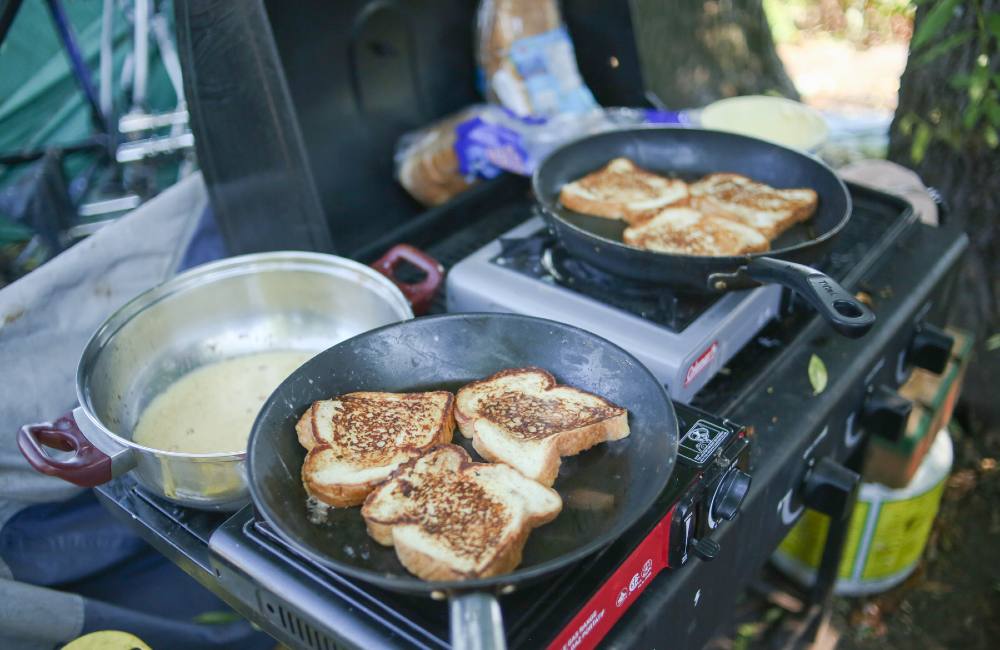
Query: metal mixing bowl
[242, 305]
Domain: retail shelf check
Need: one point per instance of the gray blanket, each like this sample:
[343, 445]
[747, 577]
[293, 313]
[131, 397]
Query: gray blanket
[46, 319]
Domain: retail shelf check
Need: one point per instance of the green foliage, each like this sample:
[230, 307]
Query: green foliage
[980, 119]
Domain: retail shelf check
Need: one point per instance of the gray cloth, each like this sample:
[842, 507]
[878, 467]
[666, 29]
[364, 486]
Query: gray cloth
[46, 319]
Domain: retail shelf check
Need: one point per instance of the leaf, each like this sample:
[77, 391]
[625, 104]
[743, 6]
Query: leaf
[971, 115]
[979, 81]
[993, 111]
[907, 122]
[933, 23]
[991, 137]
[993, 342]
[944, 46]
[221, 617]
[921, 138]
[817, 374]
[993, 24]
[960, 81]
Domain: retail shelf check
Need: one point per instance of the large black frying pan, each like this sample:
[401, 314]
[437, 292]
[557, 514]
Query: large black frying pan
[447, 352]
[690, 154]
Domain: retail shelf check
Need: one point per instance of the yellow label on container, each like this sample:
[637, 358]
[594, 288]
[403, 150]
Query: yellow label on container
[901, 533]
[806, 539]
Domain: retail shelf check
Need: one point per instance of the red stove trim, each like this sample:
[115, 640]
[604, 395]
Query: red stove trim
[596, 618]
[703, 361]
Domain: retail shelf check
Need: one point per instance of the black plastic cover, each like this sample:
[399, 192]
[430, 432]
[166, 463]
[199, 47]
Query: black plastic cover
[297, 106]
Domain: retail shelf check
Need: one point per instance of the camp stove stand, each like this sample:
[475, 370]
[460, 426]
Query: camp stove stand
[799, 444]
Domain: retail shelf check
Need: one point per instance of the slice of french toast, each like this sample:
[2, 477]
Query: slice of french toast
[523, 418]
[452, 519]
[768, 210]
[684, 231]
[622, 190]
[356, 440]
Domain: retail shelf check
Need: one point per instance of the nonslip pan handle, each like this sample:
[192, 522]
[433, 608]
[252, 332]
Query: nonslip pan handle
[476, 621]
[842, 310]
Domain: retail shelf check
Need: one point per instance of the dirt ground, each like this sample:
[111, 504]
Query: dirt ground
[953, 600]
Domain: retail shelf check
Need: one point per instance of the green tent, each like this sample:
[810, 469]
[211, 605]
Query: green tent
[41, 104]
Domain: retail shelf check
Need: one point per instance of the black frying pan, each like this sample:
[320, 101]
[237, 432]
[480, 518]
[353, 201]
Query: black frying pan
[690, 154]
[448, 352]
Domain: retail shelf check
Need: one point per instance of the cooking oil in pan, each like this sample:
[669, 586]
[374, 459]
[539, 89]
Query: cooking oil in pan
[212, 408]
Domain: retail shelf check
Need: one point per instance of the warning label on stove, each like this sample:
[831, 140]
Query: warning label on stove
[701, 441]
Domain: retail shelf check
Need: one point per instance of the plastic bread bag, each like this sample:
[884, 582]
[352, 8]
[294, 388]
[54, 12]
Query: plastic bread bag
[479, 142]
[427, 164]
[526, 59]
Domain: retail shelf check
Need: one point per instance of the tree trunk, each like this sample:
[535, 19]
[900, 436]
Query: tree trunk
[694, 55]
[966, 170]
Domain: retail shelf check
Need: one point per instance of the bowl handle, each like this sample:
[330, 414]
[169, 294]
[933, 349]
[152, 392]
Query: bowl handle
[419, 294]
[89, 466]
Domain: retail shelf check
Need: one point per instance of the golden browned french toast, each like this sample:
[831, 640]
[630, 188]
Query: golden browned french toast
[523, 418]
[622, 190]
[685, 231]
[768, 210]
[452, 519]
[356, 440]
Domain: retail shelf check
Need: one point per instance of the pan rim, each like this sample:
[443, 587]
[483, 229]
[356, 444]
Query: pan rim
[408, 583]
[547, 206]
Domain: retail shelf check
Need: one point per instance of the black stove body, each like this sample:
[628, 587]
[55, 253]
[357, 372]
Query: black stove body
[674, 578]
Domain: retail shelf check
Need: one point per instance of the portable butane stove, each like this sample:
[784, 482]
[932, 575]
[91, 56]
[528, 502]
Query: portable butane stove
[683, 339]
[249, 561]
[654, 581]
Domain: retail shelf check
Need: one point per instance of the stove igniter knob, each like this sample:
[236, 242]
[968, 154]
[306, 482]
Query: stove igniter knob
[729, 496]
[930, 348]
[706, 548]
[830, 488]
[885, 413]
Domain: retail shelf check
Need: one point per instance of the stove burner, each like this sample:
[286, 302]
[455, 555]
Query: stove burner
[541, 256]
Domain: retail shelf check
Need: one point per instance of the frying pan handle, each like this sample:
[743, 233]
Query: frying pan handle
[476, 621]
[420, 294]
[88, 467]
[842, 310]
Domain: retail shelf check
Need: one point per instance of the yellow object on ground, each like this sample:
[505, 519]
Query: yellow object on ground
[107, 640]
[886, 536]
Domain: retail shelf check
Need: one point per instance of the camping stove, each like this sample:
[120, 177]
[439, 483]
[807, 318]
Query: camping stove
[674, 579]
[684, 339]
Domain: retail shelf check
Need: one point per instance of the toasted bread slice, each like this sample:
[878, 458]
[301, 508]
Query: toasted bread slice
[684, 231]
[452, 519]
[622, 190]
[356, 440]
[768, 210]
[521, 417]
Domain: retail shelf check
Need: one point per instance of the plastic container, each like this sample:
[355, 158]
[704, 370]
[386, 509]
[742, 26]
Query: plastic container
[887, 533]
[776, 119]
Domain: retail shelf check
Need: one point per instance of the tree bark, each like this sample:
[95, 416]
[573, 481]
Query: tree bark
[692, 56]
[967, 173]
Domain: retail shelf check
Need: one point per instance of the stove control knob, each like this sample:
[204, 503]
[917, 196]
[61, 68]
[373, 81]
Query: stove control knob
[830, 488]
[733, 488]
[930, 348]
[706, 548]
[885, 413]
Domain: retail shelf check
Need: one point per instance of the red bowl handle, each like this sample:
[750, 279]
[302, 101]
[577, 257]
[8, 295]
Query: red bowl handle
[419, 294]
[87, 467]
